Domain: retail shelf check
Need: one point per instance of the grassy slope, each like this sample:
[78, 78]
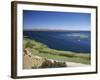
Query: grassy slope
[43, 50]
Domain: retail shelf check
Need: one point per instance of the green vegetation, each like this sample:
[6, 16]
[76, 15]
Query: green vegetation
[42, 50]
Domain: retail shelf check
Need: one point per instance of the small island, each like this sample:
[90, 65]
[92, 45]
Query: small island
[78, 35]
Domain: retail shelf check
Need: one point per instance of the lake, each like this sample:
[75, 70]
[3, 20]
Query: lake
[76, 41]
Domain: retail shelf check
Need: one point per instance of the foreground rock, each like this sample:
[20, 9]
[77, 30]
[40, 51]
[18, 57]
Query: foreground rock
[32, 62]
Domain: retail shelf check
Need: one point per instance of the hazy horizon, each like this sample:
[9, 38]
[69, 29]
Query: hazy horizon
[52, 30]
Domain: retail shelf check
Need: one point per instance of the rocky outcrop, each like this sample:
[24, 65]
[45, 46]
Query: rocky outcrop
[33, 61]
[49, 64]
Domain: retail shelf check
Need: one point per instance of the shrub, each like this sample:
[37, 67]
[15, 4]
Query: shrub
[29, 45]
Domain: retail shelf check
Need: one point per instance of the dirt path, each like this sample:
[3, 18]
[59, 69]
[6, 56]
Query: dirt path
[73, 64]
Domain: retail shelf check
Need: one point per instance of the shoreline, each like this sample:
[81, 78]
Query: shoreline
[42, 50]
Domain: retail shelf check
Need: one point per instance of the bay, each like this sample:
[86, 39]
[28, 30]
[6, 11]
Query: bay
[76, 41]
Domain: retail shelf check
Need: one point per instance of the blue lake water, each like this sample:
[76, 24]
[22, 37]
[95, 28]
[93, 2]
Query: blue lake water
[76, 41]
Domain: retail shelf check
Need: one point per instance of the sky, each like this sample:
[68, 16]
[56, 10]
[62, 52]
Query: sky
[56, 20]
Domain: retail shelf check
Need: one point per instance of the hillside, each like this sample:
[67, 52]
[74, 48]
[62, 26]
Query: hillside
[46, 54]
